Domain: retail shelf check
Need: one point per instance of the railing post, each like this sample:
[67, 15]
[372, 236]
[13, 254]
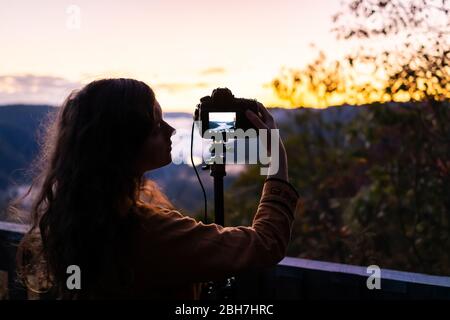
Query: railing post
[9, 240]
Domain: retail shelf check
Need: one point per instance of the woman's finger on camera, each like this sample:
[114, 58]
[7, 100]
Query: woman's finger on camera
[257, 122]
[267, 116]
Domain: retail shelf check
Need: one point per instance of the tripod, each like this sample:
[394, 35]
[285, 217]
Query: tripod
[221, 289]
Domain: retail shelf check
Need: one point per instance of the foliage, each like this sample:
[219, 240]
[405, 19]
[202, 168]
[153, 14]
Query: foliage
[403, 54]
[374, 189]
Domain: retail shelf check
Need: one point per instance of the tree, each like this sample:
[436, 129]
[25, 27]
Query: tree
[375, 181]
[402, 54]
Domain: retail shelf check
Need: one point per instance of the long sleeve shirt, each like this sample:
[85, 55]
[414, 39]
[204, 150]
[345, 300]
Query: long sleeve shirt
[172, 253]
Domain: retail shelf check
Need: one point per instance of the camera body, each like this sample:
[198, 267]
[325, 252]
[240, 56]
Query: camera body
[224, 113]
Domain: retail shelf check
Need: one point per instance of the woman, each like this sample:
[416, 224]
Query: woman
[94, 209]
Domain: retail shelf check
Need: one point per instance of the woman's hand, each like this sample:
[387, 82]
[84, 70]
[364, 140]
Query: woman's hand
[268, 123]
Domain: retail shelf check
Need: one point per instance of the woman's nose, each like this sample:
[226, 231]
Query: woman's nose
[173, 131]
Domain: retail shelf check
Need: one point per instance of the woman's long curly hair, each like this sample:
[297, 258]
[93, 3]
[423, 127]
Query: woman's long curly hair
[88, 189]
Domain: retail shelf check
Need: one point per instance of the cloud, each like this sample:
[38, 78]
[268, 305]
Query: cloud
[35, 89]
[180, 86]
[212, 71]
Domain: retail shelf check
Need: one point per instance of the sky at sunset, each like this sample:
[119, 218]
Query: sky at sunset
[182, 49]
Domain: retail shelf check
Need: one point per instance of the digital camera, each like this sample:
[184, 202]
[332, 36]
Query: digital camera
[223, 112]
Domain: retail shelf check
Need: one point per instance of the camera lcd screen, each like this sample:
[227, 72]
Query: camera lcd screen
[222, 121]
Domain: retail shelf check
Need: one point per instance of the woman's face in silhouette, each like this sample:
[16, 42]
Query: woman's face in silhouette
[156, 150]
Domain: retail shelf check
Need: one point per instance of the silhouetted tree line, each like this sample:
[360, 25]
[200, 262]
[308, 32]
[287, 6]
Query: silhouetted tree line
[375, 187]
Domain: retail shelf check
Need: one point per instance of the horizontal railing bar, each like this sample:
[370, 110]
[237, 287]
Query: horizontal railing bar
[293, 262]
[14, 227]
[388, 274]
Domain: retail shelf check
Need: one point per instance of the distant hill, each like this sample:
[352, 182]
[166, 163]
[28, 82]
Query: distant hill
[342, 114]
[177, 115]
[18, 138]
[19, 126]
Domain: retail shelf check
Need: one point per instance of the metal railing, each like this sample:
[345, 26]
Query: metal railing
[291, 279]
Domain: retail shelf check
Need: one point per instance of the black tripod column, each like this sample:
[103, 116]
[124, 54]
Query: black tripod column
[218, 172]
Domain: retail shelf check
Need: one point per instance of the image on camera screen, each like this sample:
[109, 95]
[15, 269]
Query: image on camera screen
[222, 121]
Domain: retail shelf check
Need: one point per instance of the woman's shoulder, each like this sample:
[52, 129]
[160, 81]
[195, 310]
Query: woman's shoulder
[156, 224]
[153, 215]
[151, 194]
